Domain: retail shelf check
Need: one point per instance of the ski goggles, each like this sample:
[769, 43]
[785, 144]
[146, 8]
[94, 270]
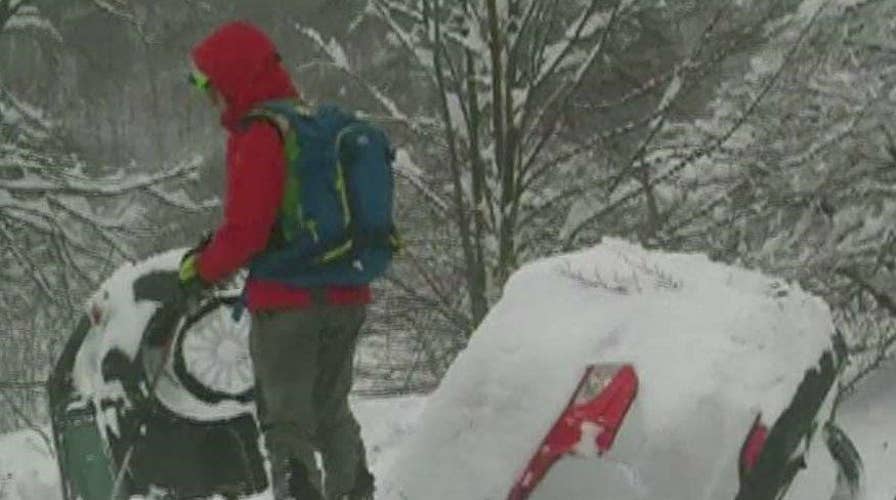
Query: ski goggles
[198, 79]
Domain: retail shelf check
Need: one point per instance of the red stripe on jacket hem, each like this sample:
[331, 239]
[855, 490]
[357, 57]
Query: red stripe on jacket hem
[266, 295]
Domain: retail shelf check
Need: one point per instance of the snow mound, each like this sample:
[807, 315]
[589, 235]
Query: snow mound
[691, 327]
[27, 468]
[28, 471]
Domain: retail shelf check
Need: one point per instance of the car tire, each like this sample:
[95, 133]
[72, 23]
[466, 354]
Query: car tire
[211, 353]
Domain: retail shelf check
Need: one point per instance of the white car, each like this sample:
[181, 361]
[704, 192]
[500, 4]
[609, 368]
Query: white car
[621, 374]
[154, 394]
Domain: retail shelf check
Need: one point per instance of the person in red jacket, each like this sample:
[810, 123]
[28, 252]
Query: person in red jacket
[302, 340]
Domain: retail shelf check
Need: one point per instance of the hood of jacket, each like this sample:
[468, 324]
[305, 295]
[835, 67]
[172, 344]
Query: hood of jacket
[244, 66]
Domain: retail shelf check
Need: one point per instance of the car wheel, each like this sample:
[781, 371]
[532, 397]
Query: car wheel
[211, 353]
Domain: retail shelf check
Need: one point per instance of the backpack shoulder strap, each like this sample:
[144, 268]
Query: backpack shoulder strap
[279, 113]
[280, 122]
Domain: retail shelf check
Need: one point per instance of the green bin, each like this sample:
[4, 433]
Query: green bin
[88, 471]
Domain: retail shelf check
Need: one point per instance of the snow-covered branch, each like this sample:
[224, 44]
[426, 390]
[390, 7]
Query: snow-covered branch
[570, 236]
[24, 257]
[337, 59]
[120, 9]
[79, 185]
[562, 92]
[18, 15]
[51, 209]
[405, 168]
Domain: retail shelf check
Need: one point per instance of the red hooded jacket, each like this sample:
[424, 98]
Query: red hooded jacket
[242, 64]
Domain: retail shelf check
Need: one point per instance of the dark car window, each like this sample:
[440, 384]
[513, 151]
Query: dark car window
[158, 286]
[848, 459]
[162, 287]
[780, 460]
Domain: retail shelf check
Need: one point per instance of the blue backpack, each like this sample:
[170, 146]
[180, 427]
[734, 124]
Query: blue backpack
[335, 224]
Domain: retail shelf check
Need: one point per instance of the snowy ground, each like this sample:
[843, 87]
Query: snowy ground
[696, 331]
[28, 472]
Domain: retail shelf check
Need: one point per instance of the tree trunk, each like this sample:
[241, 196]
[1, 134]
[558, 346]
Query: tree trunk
[651, 219]
[480, 285]
[502, 107]
[461, 216]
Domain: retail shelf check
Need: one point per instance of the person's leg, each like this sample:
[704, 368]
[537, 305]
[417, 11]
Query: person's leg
[284, 347]
[339, 434]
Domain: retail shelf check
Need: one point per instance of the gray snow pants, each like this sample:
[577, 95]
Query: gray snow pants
[303, 372]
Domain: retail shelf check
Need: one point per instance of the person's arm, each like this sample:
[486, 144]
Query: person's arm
[256, 169]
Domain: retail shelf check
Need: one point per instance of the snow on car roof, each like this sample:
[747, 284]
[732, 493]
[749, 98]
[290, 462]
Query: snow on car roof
[122, 331]
[691, 327]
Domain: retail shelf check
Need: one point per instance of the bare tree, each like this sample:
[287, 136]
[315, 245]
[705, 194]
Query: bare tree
[532, 126]
[532, 106]
[804, 189]
[63, 224]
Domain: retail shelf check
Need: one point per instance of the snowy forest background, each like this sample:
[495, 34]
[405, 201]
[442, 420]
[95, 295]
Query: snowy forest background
[759, 132]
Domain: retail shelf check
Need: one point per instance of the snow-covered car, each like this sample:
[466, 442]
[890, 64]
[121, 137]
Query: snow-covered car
[155, 393]
[621, 373]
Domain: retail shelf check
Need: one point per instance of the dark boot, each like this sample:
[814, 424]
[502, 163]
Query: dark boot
[289, 481]
[281, 479]
[301, 486]
[364, 484]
